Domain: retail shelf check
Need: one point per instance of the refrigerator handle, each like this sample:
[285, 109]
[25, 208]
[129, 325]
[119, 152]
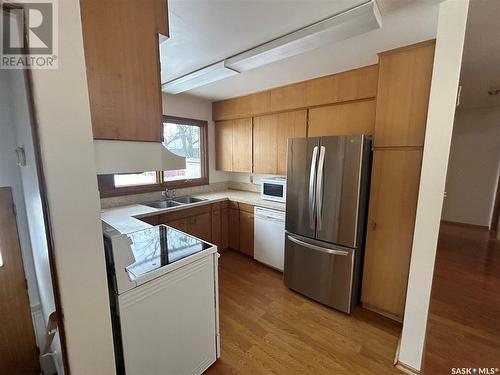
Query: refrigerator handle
[319, 188]
[312, 186]
[318, 248]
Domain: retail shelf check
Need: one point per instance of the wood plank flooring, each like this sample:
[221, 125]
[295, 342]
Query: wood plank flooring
[464, 319]
[268, 329]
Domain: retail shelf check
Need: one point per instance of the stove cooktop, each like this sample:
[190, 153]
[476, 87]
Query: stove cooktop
[158, 246]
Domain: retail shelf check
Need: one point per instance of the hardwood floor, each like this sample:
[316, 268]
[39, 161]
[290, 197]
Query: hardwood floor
[268, 329]
[464, 319]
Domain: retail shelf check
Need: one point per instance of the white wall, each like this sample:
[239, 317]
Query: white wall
[63, 113]
[445, 76]
[10, 102]
[473, 167]
[183, 105]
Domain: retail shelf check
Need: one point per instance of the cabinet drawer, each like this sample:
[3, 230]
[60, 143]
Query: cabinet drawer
[246, 207]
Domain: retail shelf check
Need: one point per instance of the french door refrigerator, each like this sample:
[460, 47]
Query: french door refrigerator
[326, 206]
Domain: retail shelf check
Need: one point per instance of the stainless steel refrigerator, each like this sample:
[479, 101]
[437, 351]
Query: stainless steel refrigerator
[326, 207]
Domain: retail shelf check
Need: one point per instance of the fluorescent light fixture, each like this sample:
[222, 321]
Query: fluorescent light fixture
[204, 76]
[344, 25]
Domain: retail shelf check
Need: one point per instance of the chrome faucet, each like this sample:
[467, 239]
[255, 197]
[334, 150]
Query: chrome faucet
[169, 194]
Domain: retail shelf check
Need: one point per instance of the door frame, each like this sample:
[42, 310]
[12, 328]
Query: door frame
[43, 193]
[496, 208]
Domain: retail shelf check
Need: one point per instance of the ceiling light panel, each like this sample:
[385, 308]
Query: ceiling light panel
[201, 77]
[350, 23]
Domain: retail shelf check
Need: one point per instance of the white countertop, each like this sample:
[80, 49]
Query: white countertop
[125, 218]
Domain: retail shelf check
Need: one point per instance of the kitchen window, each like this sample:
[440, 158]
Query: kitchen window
[182, 136]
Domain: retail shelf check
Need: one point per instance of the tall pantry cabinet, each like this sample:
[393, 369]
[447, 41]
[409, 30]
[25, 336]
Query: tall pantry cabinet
[401, 114]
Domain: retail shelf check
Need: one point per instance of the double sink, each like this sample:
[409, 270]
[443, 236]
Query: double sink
[174, 202]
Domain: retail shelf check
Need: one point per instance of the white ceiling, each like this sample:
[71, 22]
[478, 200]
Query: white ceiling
[203, 32]
[481, 56]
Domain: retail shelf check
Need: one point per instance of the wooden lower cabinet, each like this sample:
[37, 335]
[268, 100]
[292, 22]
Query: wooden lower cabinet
[153, 220]
[180, 224]
[201, 226]
[224, 220]
[234, 228]
[226, 224]
[391, 221]
[246, 232]
[217, 228]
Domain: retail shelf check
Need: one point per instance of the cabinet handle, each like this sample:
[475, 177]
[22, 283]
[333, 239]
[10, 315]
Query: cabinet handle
[374, 225]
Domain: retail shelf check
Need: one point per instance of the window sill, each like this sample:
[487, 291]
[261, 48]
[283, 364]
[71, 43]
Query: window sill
[140, 189]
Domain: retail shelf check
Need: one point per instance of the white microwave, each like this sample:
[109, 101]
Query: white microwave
[273, 189]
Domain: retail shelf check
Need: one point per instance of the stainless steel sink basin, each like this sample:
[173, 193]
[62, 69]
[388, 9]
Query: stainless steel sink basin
[163, 204]
[187, 199]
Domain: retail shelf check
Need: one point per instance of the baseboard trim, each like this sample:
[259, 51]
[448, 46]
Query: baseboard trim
[382, 312]
[465, 224]
[407, 369]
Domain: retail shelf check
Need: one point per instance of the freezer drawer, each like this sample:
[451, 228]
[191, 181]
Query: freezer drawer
[323, 272]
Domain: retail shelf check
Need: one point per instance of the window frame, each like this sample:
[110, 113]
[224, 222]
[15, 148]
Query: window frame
[106, 183]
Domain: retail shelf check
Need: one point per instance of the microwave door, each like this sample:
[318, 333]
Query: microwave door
[300, 188]
[274, 191]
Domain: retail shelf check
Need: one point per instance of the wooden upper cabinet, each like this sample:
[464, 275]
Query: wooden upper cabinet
[403, 95]
[391, 221]
[289, 97]
[341, 87]
[233, 145]
[290, 125]
[242, 106]
[270, 137]
[123, 68]
[342, 119]
[265, 137]
[242, 145]
[224, 145]
[161, 12]
[347, 86]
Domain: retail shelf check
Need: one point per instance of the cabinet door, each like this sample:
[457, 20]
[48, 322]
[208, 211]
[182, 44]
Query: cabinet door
[123, 68]
[224, 145]
[403, 95]
[234, 228]
[246, 232]
[265, 153]
[181, 224]
[391, 220]
[242, 145]
[224, 228]
[153, 220]
[342, 119]
[200, 226]
[290, 125]
[216, 228]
